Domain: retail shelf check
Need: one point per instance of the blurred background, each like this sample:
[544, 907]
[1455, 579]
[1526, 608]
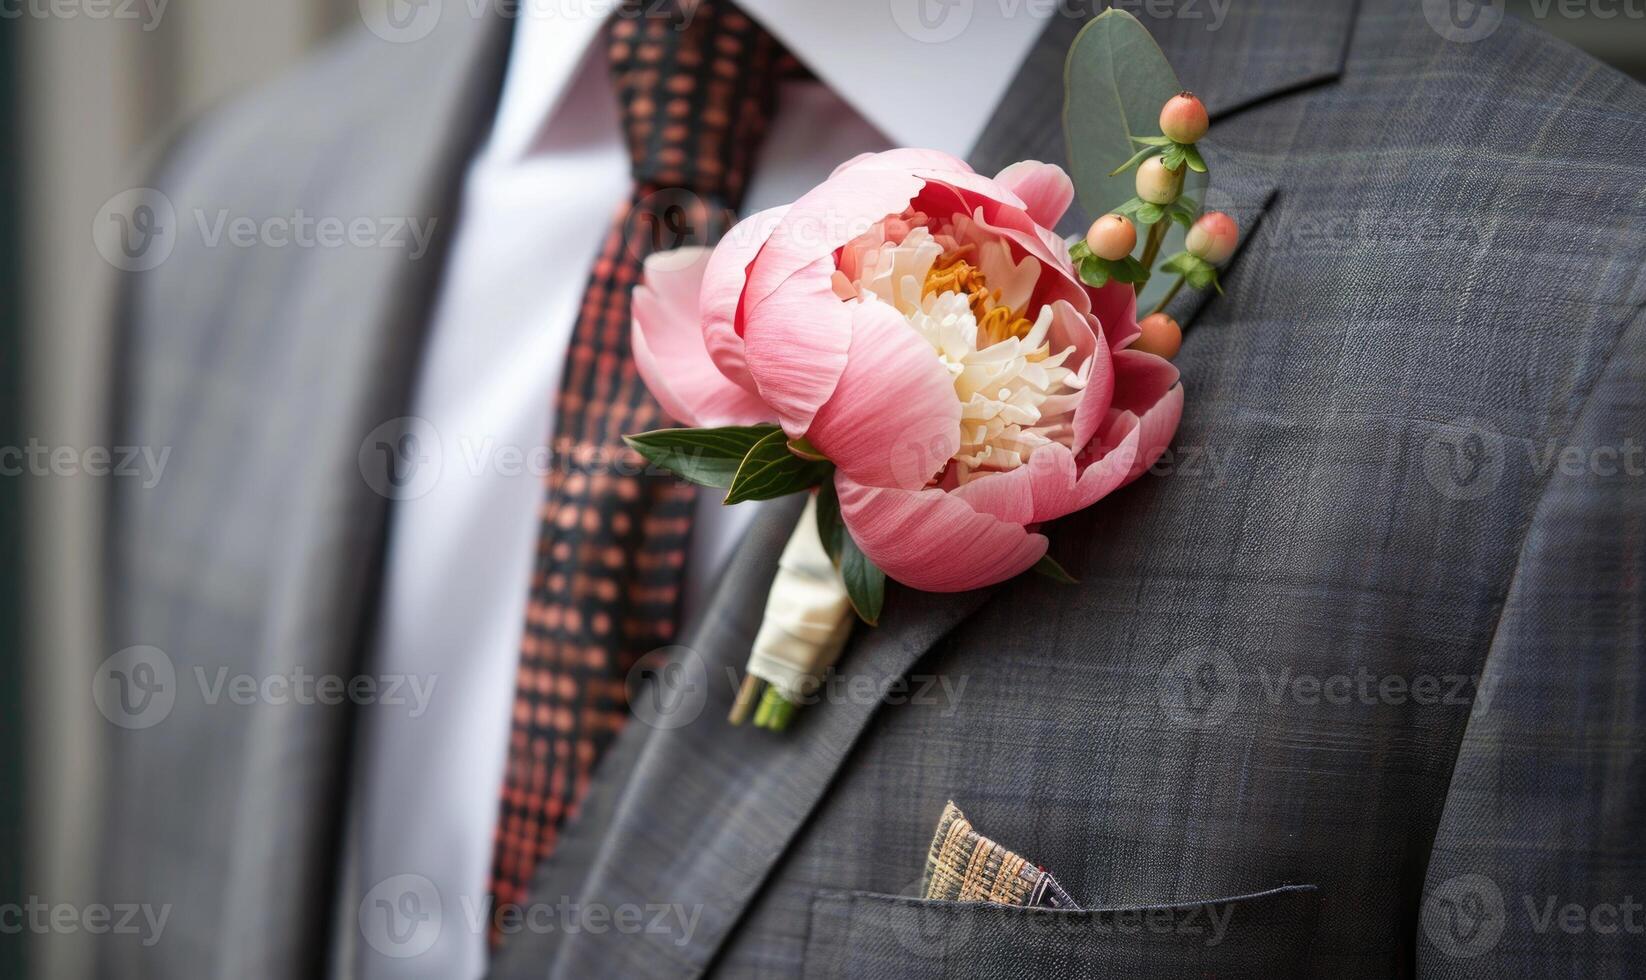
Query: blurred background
[90, 93]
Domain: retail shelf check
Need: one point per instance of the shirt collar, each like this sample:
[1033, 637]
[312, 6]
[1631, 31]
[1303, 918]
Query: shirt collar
[926, 73]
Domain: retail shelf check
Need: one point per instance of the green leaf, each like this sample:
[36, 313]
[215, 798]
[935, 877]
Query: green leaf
[865, 582]
[1173, 157]
[1094, 271]
[1048, 566]
[771, 470]
[1183, 264]
[1137, 158]
[1184, 212]
[1192, 156]
[1151, 140]
[1129, 208]
[829, 525]
[1135, 271]
[803, 448]
[706, 457]
[1201, 278]
[1150, 214]
[1115, 81]
[1079, 250]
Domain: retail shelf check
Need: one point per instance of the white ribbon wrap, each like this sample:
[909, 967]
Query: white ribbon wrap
[808, 616]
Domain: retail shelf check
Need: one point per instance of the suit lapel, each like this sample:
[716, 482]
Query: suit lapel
[705, 810]
[699, 815]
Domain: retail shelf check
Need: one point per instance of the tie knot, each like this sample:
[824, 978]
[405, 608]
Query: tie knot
[696, 83]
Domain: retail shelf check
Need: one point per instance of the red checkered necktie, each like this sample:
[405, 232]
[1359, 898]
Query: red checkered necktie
[696, 83]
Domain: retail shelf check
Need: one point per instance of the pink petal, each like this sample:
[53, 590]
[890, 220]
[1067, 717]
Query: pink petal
[905, 159]
[1073, 328]
[1115, 306]
[1045, 189]
[795, 327]
[932, 540]
[722, 292]
[1058, 279]
[795, 345]
[825, 218]
[1141, 379]
[669, 351]
[1050, 484]
[893, 420]
[1147, 395]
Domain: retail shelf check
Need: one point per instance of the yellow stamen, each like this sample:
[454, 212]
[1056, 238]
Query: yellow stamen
[952, 273]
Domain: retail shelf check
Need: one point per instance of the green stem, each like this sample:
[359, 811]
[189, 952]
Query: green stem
[1171, 294]
[1151, 249]
[775, 711]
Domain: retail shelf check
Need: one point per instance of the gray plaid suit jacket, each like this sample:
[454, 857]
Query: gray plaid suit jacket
[1350, 687]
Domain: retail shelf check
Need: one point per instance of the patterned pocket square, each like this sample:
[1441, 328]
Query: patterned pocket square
[964, 866]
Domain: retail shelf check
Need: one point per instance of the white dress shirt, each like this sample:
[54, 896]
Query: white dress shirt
[537, 202]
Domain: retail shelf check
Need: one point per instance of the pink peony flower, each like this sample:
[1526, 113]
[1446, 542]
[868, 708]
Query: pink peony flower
[923, 327]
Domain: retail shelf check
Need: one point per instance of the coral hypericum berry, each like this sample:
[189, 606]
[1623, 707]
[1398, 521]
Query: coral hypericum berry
[1112, 237]
[1156, 184]
[1183, 118]
[1161, 336]
[1213, 237]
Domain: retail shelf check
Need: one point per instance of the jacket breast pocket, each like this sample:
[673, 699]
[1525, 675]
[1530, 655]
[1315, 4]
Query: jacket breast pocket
[863, 934]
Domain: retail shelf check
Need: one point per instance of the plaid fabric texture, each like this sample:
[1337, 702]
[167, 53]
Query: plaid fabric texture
[964, 866]
[696, 84]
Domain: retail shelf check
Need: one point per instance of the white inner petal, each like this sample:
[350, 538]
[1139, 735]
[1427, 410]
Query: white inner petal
[1015, 395]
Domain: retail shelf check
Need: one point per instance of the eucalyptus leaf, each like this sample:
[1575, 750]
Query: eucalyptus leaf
[1115, 81]
[706, 457]
[770, 470]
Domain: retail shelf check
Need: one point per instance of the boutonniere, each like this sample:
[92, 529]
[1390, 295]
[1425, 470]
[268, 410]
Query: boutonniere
[913, 346]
